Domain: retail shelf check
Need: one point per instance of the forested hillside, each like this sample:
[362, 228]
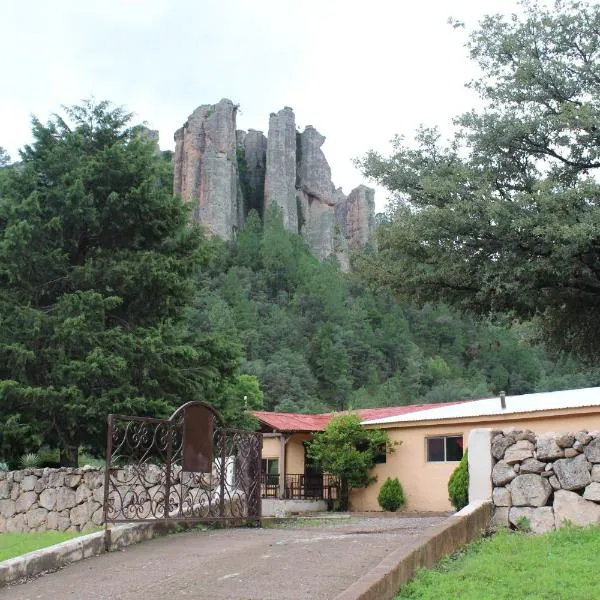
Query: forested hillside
[318, 340]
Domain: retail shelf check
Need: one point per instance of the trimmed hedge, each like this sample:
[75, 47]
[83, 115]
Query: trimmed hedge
[391, 495]
[458, 484]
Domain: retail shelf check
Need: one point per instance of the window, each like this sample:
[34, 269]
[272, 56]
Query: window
[381, 456]
[448, 448]
[270, 466]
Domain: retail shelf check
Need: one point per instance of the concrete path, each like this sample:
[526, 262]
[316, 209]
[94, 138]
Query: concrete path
[293, 562]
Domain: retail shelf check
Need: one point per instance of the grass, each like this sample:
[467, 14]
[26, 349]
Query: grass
[15, 544]
[562, 565]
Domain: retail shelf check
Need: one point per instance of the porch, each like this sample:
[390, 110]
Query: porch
[299, 486]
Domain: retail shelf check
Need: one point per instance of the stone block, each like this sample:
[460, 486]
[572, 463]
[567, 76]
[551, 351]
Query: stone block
[98, 516]
[583, 437]
[98, 494]
[572, 508]
[47, 499]
[65, 498]
[595, 474]
[502, 473]
[501, 497]
[592, 451]
[500, 517]
[52, 521]
[93, 479]
[56, 479]
[553, 481]
[73, 480]
[573, 473]
[541, 520]
[526, 434]
[15, 524]
[28, 483]
[80, 515]
[25, 501]
[499, 446]
[531, 465]
[8, 508]
[530, 490]
[5, 489]
[82, 494]
[547, 448]
[521, 450]
[565, 440]
[592, 492]
[15, 492]
[571, 452]
[36, 518]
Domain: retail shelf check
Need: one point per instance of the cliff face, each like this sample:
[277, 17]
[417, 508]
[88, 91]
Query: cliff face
[205, 167]
[280, 177]
[227, 172]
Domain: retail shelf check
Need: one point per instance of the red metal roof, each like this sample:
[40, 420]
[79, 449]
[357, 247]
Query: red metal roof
[298, 422]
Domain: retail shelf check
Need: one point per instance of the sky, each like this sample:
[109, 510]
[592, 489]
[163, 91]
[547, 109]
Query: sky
[358, 71]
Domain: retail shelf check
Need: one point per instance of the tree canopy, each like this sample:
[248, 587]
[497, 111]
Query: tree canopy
[504, 218]
[348, 450]
[97, 283]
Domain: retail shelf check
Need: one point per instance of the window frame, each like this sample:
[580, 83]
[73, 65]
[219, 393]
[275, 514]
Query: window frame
[443, 436]
[267, 461]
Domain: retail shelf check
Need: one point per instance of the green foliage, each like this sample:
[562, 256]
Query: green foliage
[391, 495]
[29, 461]
[15, 544]
[97, 286]
[347, 450]
[4, 157]
[318, 340]
[485, 570]
[523, 524]
[458, 484]
[504, 217]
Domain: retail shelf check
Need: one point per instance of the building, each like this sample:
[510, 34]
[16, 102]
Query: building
[431, 437]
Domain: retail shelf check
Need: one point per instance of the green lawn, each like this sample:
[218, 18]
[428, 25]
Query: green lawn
[15, 544]
[562, 565]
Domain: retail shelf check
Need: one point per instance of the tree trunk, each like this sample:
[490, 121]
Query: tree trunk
[344, 494]
[69, 457]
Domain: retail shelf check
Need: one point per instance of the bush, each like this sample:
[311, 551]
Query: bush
[458, 484]
[391, 495]
[29, 461]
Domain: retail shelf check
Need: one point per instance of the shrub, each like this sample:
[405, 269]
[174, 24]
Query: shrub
[391, 495]
[458, 484]
[30, 461]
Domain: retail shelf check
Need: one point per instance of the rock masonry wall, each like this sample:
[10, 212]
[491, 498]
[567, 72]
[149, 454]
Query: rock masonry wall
[548, 479]
[64, 499]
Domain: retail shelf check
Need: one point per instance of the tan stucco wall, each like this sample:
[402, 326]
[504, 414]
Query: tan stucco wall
[426, 484]
[270, 447]
[294, 451]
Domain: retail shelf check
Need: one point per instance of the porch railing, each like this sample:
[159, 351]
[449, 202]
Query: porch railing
[300, 486]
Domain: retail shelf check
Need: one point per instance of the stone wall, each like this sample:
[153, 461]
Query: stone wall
[545, 480]
[51, 499]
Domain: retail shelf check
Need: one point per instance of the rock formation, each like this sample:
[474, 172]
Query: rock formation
[280, 177]
[205, 167]
[227, 172]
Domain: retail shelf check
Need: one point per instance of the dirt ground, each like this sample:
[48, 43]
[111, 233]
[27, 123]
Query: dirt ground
[298, 560]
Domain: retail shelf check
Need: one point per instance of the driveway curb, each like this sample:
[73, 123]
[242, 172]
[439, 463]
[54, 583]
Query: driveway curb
[55, 557]
[383, 582]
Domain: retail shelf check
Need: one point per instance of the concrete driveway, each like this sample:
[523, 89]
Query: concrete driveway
[298, 561]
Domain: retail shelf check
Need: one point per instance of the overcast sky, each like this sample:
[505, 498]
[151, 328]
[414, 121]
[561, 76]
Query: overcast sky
[359, 71]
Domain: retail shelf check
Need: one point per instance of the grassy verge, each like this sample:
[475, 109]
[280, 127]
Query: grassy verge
[15, 544]
[562, 565]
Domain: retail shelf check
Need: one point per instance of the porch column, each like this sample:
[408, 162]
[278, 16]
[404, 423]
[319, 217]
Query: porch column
[282, 441]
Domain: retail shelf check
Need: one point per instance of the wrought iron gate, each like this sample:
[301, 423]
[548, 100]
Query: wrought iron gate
[187, 468]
